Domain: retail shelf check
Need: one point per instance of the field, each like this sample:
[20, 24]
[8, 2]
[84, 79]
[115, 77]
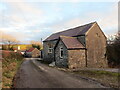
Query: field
[15, 47]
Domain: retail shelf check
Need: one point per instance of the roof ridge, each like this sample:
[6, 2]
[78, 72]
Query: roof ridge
[66, 36]
[79, 30]
[75, 27]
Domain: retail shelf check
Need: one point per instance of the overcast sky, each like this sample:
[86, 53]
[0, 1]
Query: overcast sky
[33, 20]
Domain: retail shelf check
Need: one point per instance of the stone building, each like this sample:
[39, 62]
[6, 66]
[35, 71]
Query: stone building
[83, 46]
[32, 53]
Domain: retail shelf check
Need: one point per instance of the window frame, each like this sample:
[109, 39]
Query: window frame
[61, 50]
[50, 49]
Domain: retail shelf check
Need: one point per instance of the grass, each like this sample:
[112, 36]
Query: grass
[10, 65]
[106, 78]
[109, 79]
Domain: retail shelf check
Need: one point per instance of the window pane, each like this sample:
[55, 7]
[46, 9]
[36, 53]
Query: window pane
[50, 50]
[61, 52]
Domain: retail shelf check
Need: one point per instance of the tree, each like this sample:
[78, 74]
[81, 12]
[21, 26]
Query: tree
[113, 51]
[117, 39]
[110, 39]
[9, 41]
[36, 44]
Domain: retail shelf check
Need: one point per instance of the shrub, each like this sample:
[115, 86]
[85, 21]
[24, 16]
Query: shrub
[113, 52]
[10, 64]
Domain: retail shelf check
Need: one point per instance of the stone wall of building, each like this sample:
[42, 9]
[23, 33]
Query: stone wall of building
[96, 48]
[76, 58]
[61, 62]
[49, 57]
[94, 55]
[82, 40]
[35, 53]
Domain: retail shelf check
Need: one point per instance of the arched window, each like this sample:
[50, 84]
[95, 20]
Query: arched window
[61, 52]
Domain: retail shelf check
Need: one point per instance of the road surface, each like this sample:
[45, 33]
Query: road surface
[30, 76]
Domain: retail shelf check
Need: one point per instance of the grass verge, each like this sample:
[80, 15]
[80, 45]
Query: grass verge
[10, 65]
[109, 79]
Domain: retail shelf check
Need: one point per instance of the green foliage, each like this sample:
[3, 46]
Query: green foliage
[95, 72]
[36, 46]
[104, 77]
[105, 73]
[7, 84]
[7, 74]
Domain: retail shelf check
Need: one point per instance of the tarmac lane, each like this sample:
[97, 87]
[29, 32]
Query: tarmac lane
[43, 76]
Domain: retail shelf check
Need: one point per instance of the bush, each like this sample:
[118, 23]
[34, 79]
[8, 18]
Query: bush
[10, 64]
[113, 52]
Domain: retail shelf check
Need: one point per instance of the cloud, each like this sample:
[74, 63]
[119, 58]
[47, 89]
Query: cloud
[28, 20]
[37, 31]
[25, 7]
[7, 37]
[20, 15]
[62, 0]
[17, 19]
[108, 21]
[24, 37]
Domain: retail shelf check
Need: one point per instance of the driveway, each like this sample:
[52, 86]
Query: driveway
[30, 76]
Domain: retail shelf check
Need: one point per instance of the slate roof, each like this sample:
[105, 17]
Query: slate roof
[30, 50]
[71, 42]
[81, 30]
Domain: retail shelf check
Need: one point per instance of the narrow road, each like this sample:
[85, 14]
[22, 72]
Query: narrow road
[29, 76]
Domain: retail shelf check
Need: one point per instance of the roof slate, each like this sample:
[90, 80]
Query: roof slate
[81, 30]
[30, 50]
[71, 42]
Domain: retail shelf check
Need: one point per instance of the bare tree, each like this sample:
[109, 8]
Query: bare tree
[9, 40]
[117, 39]
[36, 44]
[110, 39]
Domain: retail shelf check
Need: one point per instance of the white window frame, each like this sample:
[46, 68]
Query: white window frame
[61, 49]
[50, 49]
